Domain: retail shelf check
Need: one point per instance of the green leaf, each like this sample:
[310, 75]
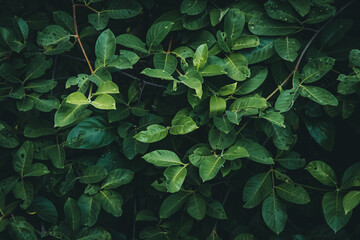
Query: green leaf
[175, 176]
[193, 7]
[351, 176]
[122, 9]
[256, 189]
[21, 28]
[93, 174]
[244, 236]
[107, 87]
[51, 35]
[257, 152]
[227, 89]
[282, 136]
[302, 7]
[117, 178]
[242, 42]
[172, 204]
[44, 105]
[221, 37]
[286, 100]
[157, 73]
[196, 22]
[105, 47]
[153, 133]
[275, 118]
[93, 233]
[77, 98]
[265, 26]
[322, 172]
[37, 169]
[104, 102]
[98, 20]
[234, 24]
[323, 132]
[196, 206]
[111, 202]
[165, 61]
[257, 77]
[131, 41]
[319, 13]
[212, 70]
[354, 57]
[132, 147]
[45, 209]
[217, 106]
[162, 158]
[332, 205]
[65, 20]
[237, 67]
[200, 56]
[157, 32]
[7, 184]
[8, 137]
[316, 69]
[146, 215]
[216, 15]
[216, 210]
[24, 190]
[248, 102]
[199, 155]
[91, 133]
[68, 114]
[292, 193]
[280, 10]
[194, 81]
[318, 95]
[351, 200]
[23, 158]
[37, 67]
[42, 86]
[221, 140]
[72, 214]
[223, 124]
[292, 161]
[101, 74]
[235, 152]
[274, 213]
[287, 48]
[90, 208]
[262, 52]
[21, 230]
[182, 125]
[210, 166]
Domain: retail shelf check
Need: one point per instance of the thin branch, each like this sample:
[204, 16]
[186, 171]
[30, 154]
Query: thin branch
[282, 84]
[75, 58]
[308, 45]
[54, 72]
[78, 38]
[134, 221]
[141, 80]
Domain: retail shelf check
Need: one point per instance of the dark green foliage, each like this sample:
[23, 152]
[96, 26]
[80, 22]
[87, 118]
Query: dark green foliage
[179, 120]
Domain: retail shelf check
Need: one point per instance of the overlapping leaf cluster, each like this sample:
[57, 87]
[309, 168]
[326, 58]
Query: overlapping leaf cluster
[190, 119]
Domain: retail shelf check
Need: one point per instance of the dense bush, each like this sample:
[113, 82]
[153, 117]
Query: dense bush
[188, 120]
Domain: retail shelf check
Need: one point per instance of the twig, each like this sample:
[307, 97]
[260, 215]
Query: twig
[223, 203]
[54, 72]
[134, 220]
[308, 45]
[78, 38]
[141, 80]
[76, 58]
